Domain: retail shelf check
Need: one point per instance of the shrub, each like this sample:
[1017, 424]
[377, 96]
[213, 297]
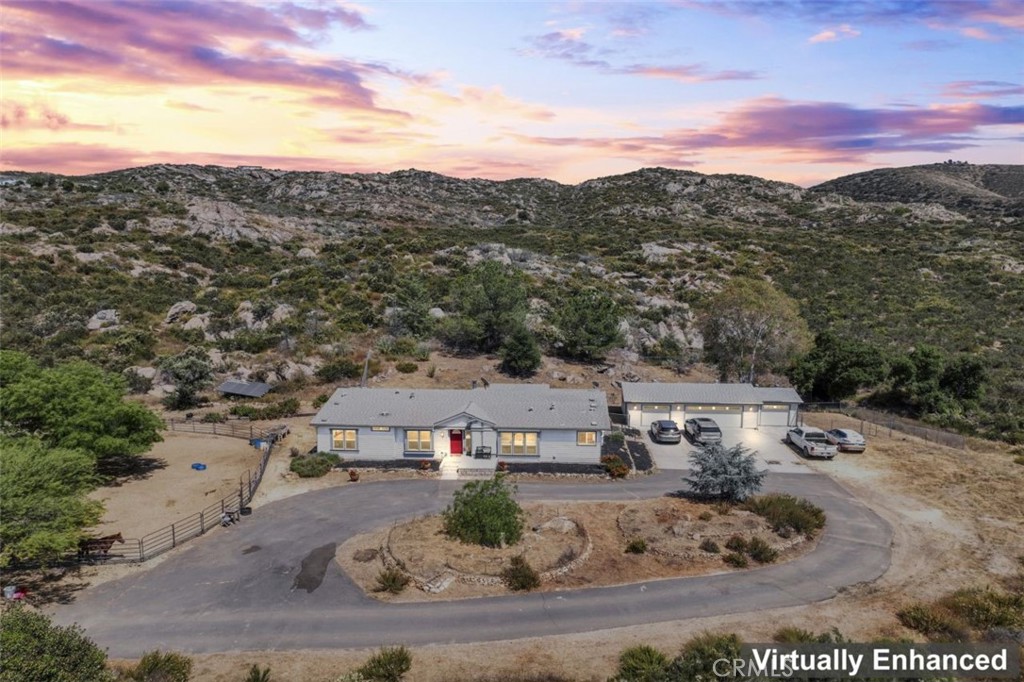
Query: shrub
[321, 400]
[35, 649]
[985, 609]
[614, 466]
[706, 516]
[520, 576]
[616, 438]
[760, 551]
[342, 368]
[636, 546]
[257, 674]
[353, 475]
[390, 664]
[736, 544]
[735, 559]
[407, 367]
[431, 371]
[788, 514]
[697, 659]
[709, 545]
[157, 666]
[485, 513]
[213, 418]
[310, 466]
[425, 465]
[392, 581]
[932, 620]
[793, 635]
[727, 473]
[642, 663]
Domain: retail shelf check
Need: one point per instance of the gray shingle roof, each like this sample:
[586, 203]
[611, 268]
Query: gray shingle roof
[713, 394]
[507, 406]
[250, 389]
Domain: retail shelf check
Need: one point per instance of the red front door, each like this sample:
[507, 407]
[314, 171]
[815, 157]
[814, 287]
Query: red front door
[456, 440]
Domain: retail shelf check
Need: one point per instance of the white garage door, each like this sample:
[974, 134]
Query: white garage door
[727, 416]
[651, 413]
[775, 415]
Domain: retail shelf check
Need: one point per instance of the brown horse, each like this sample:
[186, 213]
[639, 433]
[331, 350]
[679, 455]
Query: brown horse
[90, 546]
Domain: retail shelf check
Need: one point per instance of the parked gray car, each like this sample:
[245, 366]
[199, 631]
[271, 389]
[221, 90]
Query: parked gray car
[665, 431]
[702, 430]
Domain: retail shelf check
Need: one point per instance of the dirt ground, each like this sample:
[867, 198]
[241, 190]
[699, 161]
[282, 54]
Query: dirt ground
[672, 528]
[170, 488]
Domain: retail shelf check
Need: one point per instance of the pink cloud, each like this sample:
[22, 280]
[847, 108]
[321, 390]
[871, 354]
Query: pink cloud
[186, 42]
[812, 131]
[831, 35]
[982, 89]
[16, 115]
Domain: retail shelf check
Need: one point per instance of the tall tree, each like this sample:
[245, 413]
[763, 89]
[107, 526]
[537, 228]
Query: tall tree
[751, 327]
[491, 300]
[837, 367]
[45, 505]
[74, 405]
[588, 325]
[520, 356]
[412, 308]
[191, 371]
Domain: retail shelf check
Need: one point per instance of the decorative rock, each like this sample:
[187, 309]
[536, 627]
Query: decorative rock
[560, 524]
[306, 252]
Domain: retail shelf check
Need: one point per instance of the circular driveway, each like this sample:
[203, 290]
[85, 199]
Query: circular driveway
[270, 582]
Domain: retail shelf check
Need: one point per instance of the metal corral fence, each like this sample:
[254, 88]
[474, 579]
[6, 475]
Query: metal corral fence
[234, 505]
[875, 422]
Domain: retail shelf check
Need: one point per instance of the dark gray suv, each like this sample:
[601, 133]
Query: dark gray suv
[665, 431]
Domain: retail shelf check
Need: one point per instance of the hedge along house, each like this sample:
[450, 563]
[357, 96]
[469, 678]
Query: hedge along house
[531, 422]
[730, 405]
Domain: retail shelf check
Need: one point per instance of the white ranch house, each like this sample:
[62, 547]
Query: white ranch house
[730, 405]
[516, 422]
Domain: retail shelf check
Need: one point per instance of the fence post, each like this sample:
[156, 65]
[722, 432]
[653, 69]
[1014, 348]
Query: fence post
[142, 550]
[202, 523]
[174, 540]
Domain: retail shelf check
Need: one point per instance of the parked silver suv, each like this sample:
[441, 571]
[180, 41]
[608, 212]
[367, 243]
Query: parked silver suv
[703, 431]
[665, 431]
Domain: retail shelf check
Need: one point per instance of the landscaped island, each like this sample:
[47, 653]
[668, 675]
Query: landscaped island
[580, 544]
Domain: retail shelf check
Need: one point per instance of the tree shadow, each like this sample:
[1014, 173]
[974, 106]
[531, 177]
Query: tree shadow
[118, 471]
[47, 586]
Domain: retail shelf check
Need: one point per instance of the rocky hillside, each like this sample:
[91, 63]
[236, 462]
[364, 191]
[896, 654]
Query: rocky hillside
[280, 272]
[957, 186]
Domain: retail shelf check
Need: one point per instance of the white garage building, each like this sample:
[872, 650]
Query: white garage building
[731, 405]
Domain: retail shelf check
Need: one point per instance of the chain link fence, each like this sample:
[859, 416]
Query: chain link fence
[876, 422]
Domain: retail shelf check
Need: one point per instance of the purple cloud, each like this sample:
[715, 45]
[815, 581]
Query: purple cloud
[982, 89]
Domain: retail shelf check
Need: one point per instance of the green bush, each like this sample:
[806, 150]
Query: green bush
[520, 576]
[614, 466]
[642, 663]
[793, 635]
[616, 438]
[695, 663]
[709, 545]
[321, 400]
[390, 664]
[35, 649]
[788, 514]
[213, 418]
[735, 559]
[342, 368]
[736, 544]
[407, 367]
[157, 666]
[485, 513]
[310, 466]
[984, 608]
[760, 551]
[934, 621]
[392, 581]
[636, 546]
[258, 674]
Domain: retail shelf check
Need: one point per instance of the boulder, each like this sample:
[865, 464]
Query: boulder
[179, 310]
[437, 313]
[559, 524]
[198, 322]
[104, 319]
[306, 252]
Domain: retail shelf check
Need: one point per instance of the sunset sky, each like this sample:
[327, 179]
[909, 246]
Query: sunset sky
[800, 91]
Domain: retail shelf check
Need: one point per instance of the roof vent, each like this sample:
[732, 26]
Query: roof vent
[412, 395]
[552, 406]
[529, 409]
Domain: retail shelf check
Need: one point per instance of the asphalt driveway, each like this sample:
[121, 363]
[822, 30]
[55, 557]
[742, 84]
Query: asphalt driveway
[270, 583]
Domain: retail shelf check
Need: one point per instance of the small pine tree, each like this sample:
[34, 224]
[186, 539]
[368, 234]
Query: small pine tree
[726, 473]
[520, 356]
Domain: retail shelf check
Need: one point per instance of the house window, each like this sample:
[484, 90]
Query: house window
[775, 407]
[586, 438]
[518, 443]
[344, 439]
[418, 441]
[380, 428]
